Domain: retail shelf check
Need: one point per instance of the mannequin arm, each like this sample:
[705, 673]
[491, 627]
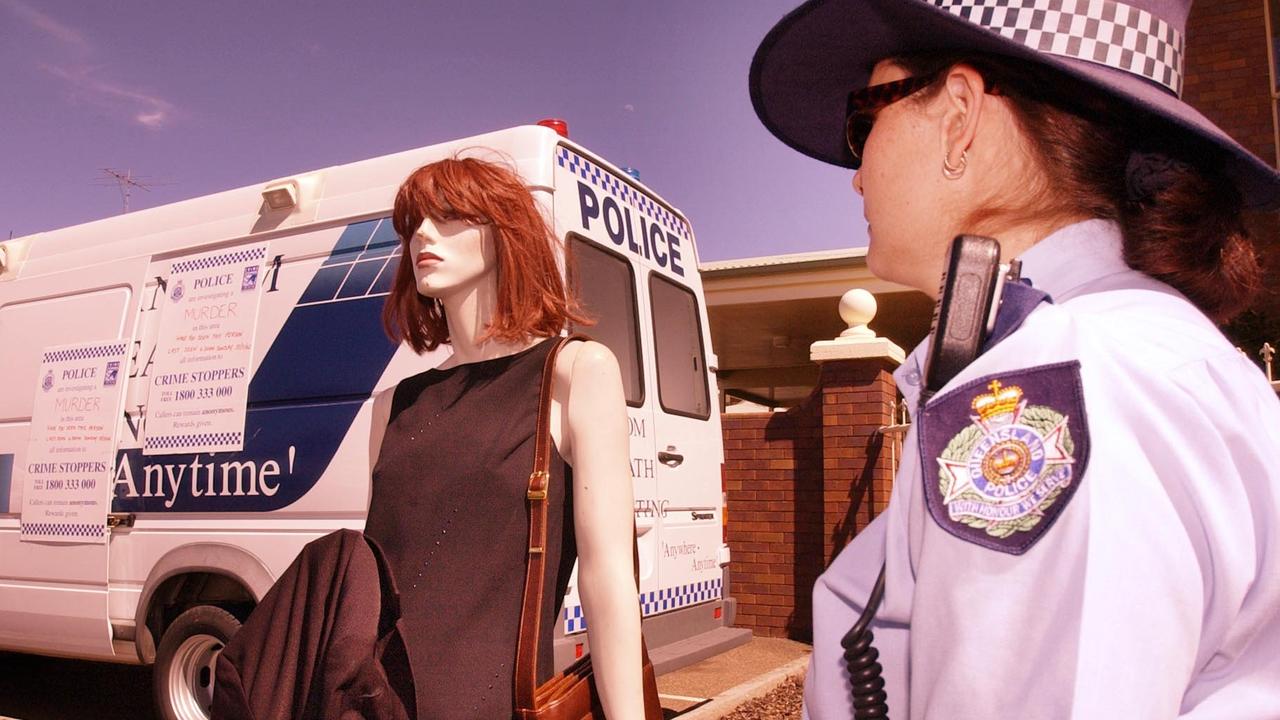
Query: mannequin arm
[603, 505]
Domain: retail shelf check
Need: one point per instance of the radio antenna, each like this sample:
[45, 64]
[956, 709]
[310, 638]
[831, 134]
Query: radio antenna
[126, 182]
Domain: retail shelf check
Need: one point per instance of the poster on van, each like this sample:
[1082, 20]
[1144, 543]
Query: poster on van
[204, 350]
[67, 472]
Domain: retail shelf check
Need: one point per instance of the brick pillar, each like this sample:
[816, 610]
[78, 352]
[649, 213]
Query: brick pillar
[858, 395]
[801, 483]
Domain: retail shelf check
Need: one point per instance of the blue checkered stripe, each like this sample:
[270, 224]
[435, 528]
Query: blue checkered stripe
[677, 597]
[65, 530]
[84, 353]
[621, 190]
[657, 601]
[573, 620]
[201, 440]
[212, 261]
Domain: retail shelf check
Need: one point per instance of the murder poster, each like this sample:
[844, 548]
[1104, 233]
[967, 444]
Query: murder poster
[67, 472]
[200, 383]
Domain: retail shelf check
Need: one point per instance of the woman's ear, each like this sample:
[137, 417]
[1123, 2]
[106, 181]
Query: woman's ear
[963, 95]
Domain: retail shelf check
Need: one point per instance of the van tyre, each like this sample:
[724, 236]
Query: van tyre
[183, 679]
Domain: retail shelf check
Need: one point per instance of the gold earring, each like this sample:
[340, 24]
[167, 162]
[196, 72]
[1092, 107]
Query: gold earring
[954, 172]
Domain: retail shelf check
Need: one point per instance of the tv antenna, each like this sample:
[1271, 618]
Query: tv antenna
[126, 181]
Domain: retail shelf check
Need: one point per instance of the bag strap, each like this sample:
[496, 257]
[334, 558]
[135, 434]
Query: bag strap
[526, 676]
[526, 671]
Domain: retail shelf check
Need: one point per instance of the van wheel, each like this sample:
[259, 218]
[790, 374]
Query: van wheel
[183, 679]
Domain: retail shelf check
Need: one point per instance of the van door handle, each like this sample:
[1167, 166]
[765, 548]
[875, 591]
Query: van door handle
[669, 458]
[115, 520]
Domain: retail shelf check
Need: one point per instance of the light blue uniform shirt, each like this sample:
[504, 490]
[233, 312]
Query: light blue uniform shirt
[1155, 593]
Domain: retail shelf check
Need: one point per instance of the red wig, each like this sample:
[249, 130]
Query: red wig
[531, 296]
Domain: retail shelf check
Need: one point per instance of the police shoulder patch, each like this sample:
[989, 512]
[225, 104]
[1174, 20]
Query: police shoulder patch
[1003, 455]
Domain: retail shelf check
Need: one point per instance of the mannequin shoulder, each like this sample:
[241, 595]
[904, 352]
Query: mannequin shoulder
[587, 365]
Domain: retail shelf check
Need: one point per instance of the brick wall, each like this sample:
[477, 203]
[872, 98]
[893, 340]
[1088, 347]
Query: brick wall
[773, 484]
[1226, 71]
[1227, 79]
[800, 485]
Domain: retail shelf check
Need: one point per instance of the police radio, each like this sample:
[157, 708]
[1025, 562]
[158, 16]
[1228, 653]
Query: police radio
[965, 313]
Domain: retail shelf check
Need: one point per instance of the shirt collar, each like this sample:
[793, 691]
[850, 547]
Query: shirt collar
[1061, 264]
[910, 375]
[1073, 256]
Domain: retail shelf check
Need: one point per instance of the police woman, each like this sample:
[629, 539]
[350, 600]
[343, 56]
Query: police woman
[1087, 521]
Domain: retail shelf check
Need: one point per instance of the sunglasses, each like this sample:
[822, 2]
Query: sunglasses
[860, 112]
[862, 106]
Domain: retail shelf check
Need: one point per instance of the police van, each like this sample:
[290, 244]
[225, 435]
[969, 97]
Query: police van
[186, 393]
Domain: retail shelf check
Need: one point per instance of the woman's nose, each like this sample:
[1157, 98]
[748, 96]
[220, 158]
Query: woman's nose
[857, 181]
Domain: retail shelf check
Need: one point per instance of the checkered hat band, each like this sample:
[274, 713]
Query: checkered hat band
[1100, 31]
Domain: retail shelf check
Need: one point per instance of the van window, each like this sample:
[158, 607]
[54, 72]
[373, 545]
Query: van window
[606, 287]
[677, 339]
[30, 326]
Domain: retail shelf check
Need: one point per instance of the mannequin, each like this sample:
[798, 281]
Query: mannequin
[478, 273]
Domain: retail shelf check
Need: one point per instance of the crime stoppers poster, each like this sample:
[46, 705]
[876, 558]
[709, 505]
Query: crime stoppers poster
[200, 384]
[67, 473]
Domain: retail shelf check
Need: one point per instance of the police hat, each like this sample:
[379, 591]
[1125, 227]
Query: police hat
[1133, 51]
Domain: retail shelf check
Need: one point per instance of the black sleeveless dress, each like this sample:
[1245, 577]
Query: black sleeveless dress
[450, 513]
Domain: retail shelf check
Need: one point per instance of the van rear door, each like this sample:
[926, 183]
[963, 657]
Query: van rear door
[53, 596]
[688, 446]
[595, 212]
[675, 446]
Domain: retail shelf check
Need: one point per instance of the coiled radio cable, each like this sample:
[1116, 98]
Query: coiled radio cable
[863, 660]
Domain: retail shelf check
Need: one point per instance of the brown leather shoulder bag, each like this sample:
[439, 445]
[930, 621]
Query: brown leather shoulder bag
[572, 694]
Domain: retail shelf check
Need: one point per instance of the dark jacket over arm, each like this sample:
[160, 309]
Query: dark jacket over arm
[323, 643]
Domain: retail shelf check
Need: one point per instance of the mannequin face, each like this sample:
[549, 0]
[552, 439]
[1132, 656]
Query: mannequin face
[451, 256]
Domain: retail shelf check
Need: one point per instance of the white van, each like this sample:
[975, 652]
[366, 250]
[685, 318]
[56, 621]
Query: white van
[208, 492]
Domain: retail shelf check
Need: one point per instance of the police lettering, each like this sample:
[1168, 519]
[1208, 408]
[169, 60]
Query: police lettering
[654, 243]
[79, 373]
[209, 282]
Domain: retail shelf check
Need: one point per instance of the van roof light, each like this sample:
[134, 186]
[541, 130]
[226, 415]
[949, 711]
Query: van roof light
[560, 126]
[281, 196]
[634, 173]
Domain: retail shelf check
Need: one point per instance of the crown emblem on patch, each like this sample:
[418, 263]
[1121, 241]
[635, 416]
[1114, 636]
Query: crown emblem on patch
[1000, 401]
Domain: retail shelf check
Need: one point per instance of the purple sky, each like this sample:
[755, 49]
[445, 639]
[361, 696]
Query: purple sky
[198, 97]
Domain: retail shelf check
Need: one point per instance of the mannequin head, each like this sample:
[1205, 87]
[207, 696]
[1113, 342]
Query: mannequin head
[466, 226]
[452, 256]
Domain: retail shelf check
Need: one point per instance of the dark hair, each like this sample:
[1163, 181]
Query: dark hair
[531, 297]
[1180, 215]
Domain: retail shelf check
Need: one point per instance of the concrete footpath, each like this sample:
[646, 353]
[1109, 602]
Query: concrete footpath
[715, 687]
[40, 688]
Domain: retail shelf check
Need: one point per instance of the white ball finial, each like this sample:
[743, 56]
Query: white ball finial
[857, 308]
[858, 342]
